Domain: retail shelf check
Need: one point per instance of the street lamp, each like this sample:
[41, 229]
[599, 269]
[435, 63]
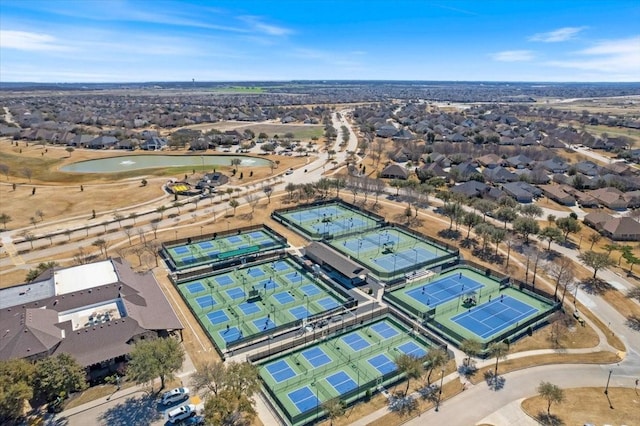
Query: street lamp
[606, 389]
[440, 390]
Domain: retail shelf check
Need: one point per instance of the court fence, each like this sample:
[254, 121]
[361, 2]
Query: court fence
[278, 216]
[279, 244]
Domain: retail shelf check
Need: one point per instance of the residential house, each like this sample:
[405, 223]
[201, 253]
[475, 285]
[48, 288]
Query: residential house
[587, 168]
[81, 140]
[394, 171]
[558, 194]
[610, 197]
[499, 175]
[154, 143]
[102, 142]
[490, 161]
[522, 192]
[616, 228]
[520, 161]
[470, 189]
[463, 171]
[555, 165]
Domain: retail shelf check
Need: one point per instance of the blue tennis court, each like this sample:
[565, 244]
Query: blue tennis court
[224, 280]
[205, 245]
[410, 348]
[384, 330]
[382, 363]
[403, 258]
[234, 239]
[231, 334]
[360, 244]
[294, 277]
[205, 301]
[280, 371]
[249, 308]
[299, 312]
[196, 287]
[492, 317]
[316, 357]
[256, 234]
[181, 250]
[355, 341]
[327, 303]
[283, 298]
[264, 323]
[341, 382]
[280, 266]
[444, 290]
[235, 293]
[217, 317]
[304, 399]
[255, 272]
[189, 260]
[267, 284]
[310, 289]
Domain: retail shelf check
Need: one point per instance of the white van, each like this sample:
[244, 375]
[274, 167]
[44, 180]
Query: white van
[181, 413]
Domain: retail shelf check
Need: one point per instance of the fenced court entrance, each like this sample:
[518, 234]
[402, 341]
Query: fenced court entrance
[344, 365]
[238, 304]
[391, 252]
[328, 219]
[214, 249]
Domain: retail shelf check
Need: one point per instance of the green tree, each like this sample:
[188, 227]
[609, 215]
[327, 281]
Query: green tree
[69, 149]
[531, 210]
[35, 272]
[161, 210]
[334, 408]
[268, 190]
[595, 260]
[552, 393]
[593, 239]
[234, 204]
[436, 358]
[568, 225]
[498, 350]
[16, 378]
[551, 234]
[471, 348]
[470, 220]
[484, 207]
[411, 366]
[57, 376]
[453, 212]
[506, 215]
[526, 226]
[155, 358]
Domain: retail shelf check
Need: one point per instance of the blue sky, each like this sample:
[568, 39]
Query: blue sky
[139, 40]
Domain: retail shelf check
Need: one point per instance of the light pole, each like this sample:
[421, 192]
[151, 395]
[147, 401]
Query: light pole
[440, 390]
[575, 294]
[606, 389]
[201, 229]
[307, 298]
[176, 231]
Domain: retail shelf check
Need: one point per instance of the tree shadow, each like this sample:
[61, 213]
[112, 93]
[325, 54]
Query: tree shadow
[467, 371]
[134, 411]
[449, 234]
[495, 383]
[402, 404]
[595, 286]
[548, 419]
[633, 322]
[468, 243]
[52, 420]
[429, 393]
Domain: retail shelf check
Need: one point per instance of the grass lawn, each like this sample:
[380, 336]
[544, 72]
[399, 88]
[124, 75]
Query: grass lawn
[589, 405]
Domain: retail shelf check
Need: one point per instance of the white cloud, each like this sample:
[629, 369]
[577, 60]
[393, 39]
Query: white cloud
[269, 29]
[24, 40]
[561, 34]
[609, 56]
[513, 56]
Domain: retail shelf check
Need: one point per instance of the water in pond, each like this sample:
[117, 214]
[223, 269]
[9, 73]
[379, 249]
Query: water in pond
[139, 162]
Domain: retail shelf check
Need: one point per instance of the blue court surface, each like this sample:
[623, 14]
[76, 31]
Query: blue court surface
[264, 323]
[492, 317]
[196, 287]
[382, 363]
[280, 371]
[294, 277]
[316, 357]
[341, 382]
[181, 250]
[249, 308]
[280, 266]
[410, 348]
[256, 234]
[206, 301]
[355, 342]
[299, 312]
[283, 298]
[205, 245]
[310, 289]
[217, 317]
[327, 303]
[384, 330]
[403, 258]
[224, 280]
[357, 244]
[304, 399]
[267, 284]
[234, 239]
[444, 290]
[235, 293]
[255, 272]
[231, 334]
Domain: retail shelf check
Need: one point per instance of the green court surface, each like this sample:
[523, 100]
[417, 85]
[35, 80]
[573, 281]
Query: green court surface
[344, 365]
[463, 303]
[212, 249]
[328, 220]
[392, 252]
[244, 302]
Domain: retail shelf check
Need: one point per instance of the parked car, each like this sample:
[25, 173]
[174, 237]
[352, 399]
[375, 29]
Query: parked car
[192, 421]
[289, 172]
[181, 413]
[175, 395]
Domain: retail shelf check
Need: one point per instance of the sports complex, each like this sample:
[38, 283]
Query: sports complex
[248, 291]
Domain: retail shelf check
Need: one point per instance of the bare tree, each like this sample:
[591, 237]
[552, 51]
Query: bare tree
[141, 235]
[28, 173]
[128, 231]
[154, 228]
[562, 270]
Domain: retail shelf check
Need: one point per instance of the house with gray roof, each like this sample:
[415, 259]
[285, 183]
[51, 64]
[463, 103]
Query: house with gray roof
[522, 192]
[519, 161]
[617, 228]
[94, 312]
[558, 194]
[394, 171]
[499, 175]
[555, 165]
[587, 168]
[470, 189]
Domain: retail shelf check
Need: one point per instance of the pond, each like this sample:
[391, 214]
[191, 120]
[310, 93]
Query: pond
[139, 162]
